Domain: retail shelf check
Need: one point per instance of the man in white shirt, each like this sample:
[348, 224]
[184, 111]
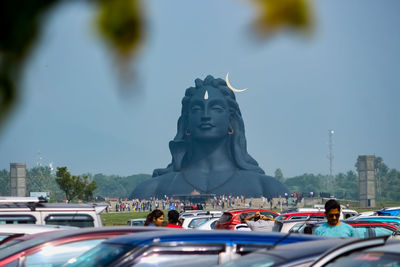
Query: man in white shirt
[260, 222]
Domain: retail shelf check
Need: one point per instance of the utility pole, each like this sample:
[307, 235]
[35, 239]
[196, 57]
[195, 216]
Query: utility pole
[330, 157]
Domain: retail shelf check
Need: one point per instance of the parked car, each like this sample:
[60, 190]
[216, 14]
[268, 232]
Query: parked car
[287, 255]
[9, 232]
[194, 222]
[292, 225]
[362, 252]
[137, 222]
[193, 213]
[365, 229]
[182, 248]
[230, 218]
[301, 216]
[363, 214]
[57, 247]
[391, 219]
[208, 225]
[394, 211]
[32, 210]
[345, 213]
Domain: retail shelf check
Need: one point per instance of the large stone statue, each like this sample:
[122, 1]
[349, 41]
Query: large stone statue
[209, 153]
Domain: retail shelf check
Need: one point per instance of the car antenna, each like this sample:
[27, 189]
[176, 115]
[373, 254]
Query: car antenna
[280, 240]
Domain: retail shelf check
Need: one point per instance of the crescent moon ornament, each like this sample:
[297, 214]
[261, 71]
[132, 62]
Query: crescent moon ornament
[231, 87]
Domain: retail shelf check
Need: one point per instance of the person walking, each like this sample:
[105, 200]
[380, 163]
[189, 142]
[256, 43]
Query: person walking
[333, 227]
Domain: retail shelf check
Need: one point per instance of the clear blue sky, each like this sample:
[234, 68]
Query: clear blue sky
[345, 77]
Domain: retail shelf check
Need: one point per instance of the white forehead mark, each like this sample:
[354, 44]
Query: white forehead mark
[206, 95]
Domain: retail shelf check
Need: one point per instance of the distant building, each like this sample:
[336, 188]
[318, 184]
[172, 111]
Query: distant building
[18, 179]
[367, 181]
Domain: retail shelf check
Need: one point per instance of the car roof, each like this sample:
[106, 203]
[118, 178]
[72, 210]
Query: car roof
[392, 247]
[32, 228]
[371, 222]
[312, 248]
[53, 206]
[234, 211]
[40, 238]
[303, 213]
[197, 236]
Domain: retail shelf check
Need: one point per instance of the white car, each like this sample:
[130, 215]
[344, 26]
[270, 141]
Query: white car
[193, 213]
[137, 222]
[208, 225]
[195, 222]
[32, 210]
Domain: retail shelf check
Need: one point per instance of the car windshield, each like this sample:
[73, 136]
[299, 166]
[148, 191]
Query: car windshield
[281, 218]
[254, 260]
[101, 255]
[226, 217]
[367, 259]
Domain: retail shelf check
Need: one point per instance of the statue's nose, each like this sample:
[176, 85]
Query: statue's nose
[205, 116]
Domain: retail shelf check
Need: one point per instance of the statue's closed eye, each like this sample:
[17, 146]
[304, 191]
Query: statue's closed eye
[195, 108]
[218, 108]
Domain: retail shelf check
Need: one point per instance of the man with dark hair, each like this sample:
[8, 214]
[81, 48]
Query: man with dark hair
[260, 222]
[333, 227]
[173, 219]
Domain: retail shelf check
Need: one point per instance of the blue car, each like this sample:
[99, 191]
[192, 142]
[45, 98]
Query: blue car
[390, 219]
[395, 211]
[182, 248]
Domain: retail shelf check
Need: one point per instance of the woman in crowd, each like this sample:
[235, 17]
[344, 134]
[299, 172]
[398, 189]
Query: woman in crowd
[155, 218]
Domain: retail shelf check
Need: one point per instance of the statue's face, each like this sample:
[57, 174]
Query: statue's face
[208, 117]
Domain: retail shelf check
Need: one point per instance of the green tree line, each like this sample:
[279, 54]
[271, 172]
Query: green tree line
[71, 187]
[345, 185]
[341, 185]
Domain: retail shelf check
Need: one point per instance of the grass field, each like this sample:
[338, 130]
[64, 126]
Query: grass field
[121, 218]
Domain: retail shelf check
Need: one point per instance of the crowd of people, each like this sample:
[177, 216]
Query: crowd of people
[333, 227]
[217, 202]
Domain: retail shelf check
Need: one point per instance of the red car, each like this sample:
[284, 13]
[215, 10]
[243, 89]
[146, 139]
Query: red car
[230, 218]
[301, 216]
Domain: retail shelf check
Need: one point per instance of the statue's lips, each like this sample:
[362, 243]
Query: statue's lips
[205, 126]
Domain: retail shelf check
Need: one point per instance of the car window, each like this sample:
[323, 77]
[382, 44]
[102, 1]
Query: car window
[300, 217]
[212, 225]
[367, 259]
[197, 222]
[196, 254]
[79, 220]
[321, 217]
[281, 217]
[244, 249]
[176, 259]
[226, 217]
[101, 255]
[137, 223]
[17, 219]
[296, 227]
[257, 260]
[266, 213]
[51, 256]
